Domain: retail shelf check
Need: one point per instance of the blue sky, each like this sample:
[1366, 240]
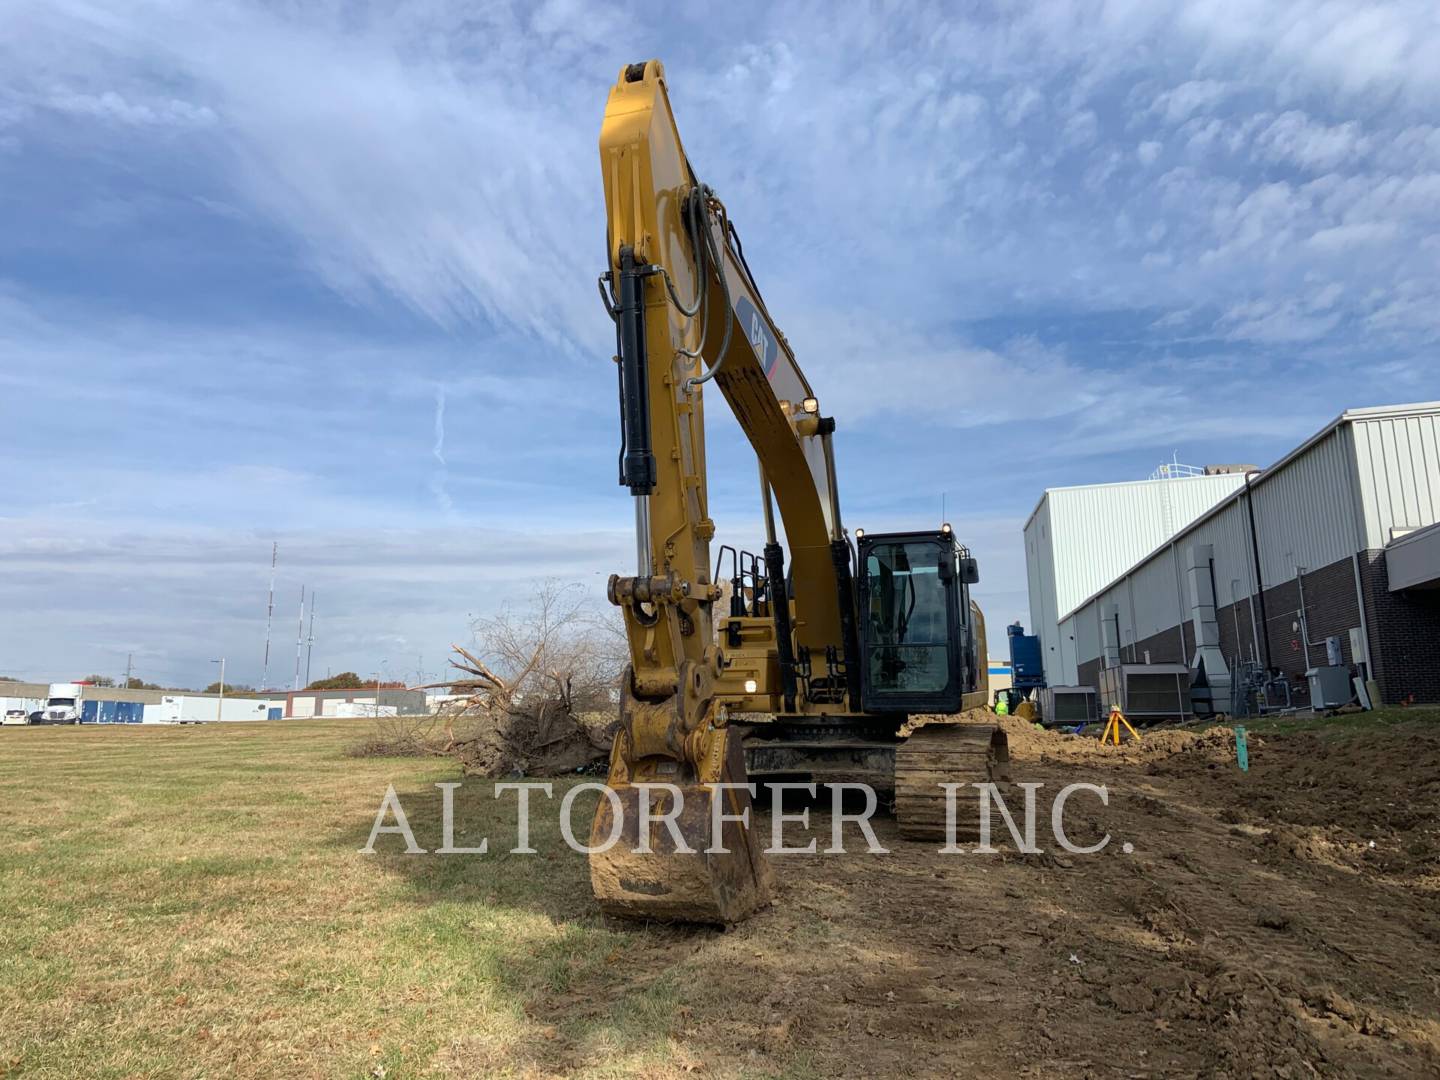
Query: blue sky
[324, 274]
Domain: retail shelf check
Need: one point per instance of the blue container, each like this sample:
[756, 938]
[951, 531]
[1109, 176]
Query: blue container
[111, 712]
[1027, 671]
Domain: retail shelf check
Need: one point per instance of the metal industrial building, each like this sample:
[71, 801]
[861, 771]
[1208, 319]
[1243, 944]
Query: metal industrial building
[167, 705]
[304, 704]
[1078, 539]
[1341, 567]
[39, 691]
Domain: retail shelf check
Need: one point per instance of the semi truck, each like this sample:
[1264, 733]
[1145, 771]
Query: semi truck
[65, 703]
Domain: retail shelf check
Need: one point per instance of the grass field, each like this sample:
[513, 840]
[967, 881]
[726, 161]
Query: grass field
[191, 902]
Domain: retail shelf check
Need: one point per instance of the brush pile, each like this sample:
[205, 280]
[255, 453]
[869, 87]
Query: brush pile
[499, 728]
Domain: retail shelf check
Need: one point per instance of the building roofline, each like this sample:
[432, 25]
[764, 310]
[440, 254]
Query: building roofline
[1118, 483]
[1349, 416]
[1414, 536]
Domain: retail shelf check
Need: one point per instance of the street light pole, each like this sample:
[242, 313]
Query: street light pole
[377, 690]
[220, 701]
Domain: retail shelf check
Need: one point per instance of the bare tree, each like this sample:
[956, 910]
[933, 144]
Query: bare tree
[537, 692]
[558, 648]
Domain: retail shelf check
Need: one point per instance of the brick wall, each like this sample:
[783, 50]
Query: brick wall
[1330, 608]
[1166, 647]
[1404, 635]
[1404, 630]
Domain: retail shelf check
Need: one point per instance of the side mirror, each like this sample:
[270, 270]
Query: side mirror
[969, 571]
[947, 568]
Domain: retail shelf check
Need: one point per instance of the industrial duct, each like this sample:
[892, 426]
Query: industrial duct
[1209, 674]
[1110, 634]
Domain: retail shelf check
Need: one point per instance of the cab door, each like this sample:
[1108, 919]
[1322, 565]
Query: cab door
[912, 628]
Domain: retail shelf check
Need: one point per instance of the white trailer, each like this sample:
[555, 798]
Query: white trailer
[192, 709]
[360, 708]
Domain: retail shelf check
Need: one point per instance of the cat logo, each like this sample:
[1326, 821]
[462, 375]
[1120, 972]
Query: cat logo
[757, 332]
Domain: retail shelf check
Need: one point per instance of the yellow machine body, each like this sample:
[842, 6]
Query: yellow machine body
[689, 314]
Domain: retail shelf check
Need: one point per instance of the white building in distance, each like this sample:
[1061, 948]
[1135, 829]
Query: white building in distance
[1079, 539]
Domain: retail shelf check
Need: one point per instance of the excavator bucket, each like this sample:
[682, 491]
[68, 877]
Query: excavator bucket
[694, 873]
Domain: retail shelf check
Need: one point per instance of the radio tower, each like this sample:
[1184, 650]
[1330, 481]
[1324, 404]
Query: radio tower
[300, 637]
[269, 616]
[310, 638]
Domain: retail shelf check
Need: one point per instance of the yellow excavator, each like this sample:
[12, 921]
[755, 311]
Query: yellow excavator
[749, 667]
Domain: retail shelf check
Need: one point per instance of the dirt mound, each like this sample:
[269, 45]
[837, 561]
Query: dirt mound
[1026, 739]
[1174, 752]
[1180, 749]
[1031, 740]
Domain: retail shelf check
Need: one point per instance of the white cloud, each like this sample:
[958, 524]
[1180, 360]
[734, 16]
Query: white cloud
[1273, 323]
[1018, 103]
[1008, 227]
[111, 106]
[1081, 128]
[1342, 239]
[1293, 137]
[1179, 103]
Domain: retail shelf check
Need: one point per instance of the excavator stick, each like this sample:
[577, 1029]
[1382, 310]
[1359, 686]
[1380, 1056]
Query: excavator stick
[685, 869]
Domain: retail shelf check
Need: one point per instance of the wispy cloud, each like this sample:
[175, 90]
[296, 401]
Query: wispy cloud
[437, 483]
[324, 264]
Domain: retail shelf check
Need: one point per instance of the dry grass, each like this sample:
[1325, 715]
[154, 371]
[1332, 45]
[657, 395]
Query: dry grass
[191, 902]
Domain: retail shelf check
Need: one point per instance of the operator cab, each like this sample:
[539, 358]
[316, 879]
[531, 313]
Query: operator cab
[917, 641]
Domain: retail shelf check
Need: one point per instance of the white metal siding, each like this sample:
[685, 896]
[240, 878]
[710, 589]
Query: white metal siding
[1101, 530]
[1344, 493]
[1304, 513]
[1087, 642]
[1157, 599]
[1080, 538]
[1397, 461]
[1068, 666]
[1040, 572]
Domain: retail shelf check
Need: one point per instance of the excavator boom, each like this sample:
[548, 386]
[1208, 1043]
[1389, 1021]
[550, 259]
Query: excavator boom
[805, 642]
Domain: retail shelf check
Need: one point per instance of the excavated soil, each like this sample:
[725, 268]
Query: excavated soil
[1283, 921]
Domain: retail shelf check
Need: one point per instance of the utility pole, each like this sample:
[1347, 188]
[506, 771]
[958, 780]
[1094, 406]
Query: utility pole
[377, 688]
[220, 701]
[129, 667]
[269, 615]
